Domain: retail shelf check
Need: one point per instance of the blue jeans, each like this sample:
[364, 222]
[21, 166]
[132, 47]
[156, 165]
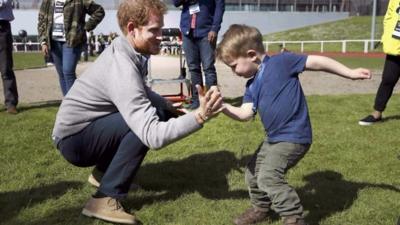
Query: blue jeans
[110, 145]
[199, 53]
[65, 60]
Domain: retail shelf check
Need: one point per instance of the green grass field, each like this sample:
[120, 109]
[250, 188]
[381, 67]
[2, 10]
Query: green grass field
[28, 60]
[349, 177]
[31, 60]
[353, 28]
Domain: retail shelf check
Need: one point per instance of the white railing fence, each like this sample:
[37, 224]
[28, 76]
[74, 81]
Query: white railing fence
[26, 47]
[362, 45]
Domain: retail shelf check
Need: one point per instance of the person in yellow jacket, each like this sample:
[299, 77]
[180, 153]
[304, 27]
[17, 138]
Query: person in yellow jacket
[391, 70]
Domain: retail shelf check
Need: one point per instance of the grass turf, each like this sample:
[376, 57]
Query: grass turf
[349, 177]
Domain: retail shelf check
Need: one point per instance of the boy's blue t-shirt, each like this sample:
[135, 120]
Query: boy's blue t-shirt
[281, 102]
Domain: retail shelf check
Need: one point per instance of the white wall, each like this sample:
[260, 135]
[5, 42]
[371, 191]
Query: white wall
[267, 22]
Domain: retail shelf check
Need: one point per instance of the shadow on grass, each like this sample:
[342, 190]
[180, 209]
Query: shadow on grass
[39, 105]
[327, 193]
[35, 105]
[205, 174]
[12, 202]
[387, 119]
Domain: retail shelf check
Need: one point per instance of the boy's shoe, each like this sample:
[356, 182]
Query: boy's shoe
[251, 216]
[293, 220]
[109, 209]
[369, 120]
[92, 180]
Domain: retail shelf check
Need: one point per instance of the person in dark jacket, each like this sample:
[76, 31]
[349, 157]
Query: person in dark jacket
[6, 58]
[200, 22]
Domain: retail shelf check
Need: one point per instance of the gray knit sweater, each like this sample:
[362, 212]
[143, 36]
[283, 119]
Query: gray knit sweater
[114, 83]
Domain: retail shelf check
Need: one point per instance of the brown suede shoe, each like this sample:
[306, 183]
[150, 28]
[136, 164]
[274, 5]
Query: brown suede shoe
[251, 216]
[92, 180]
[109, 209]
[12, 110]
[293, 220]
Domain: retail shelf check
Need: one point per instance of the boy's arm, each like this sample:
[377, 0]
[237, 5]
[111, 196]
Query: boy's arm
[242, 113]
[322, 63]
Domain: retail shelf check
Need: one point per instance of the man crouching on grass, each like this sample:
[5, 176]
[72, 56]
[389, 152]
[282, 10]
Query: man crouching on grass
[110, 118]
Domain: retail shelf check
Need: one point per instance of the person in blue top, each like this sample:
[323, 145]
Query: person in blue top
[274, 91]
[200, 22]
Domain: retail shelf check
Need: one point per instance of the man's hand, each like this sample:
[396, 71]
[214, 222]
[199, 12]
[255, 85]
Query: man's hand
[45, 49]
[212, 37]
[176, 109]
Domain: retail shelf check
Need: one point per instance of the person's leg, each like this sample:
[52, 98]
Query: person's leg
[207, 54]
[259, 199]
[109, 144]
[277, 159]
[99, 170]
[69, 62]
[192, 54]
[6, 67]
[57, 56]
[390, 76]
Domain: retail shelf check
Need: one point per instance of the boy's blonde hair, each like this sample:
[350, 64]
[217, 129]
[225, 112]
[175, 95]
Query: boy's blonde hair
[237, 40]
[138, 12]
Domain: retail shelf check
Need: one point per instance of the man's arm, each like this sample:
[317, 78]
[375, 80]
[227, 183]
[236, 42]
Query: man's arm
[96, 13]
[218, 14]
[242, 113]
[322, 63]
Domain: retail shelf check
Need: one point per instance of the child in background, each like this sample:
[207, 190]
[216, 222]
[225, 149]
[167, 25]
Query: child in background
[274, 91]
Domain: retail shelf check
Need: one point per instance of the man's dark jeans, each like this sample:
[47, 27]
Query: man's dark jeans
[199, 53]
[6, 65]
[110, 145]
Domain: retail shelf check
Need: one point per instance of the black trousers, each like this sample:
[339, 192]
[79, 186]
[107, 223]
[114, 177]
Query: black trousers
[6, 65]
[390, 76]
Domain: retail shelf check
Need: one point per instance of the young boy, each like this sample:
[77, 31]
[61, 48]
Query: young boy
[274, 91]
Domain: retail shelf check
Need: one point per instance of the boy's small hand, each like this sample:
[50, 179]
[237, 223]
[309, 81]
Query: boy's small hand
[360, 74]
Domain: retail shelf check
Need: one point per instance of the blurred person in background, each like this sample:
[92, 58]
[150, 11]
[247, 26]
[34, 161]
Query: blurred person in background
[391, 69]
[62, 32]
[6, 57]
[200, 23]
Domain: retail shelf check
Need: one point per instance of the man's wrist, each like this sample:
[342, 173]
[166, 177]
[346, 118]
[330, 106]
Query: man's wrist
[200, 117]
